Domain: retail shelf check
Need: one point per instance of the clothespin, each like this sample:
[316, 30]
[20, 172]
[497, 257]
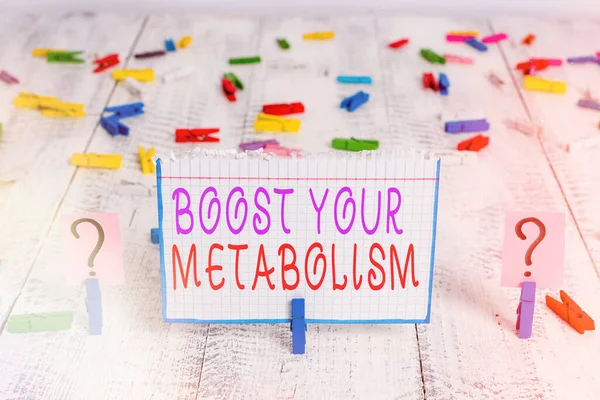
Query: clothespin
[429, 82]
[451, 58]
[594, 105]
[105, 63]
[155, 235]
[93, 302]
[458, 38]
[524, 126]
[533, 65]
[432, 57]
[355, 79]
[44, 52]
[8, 78]
[142, 75]
[353, 102]
[244, 60]
[148, 167]
[583, 60]
[467, 126]
[170, 45]
[476, 44]
[256, 145]
[133, 87]
[184, 42]
[318, 36]
[464, 33]
[64, 57]
[114, 126]
[235, 81]
[280, 150]
[283, 43]
[283, 109]
[30, 100]
[527, 40]
[90, 160]
[397, 44]
[196, 135]
[570, 312]
[126, 110]
[475, 143]
[525, 310]
[274, 123]
[494, 38]
[544, 85]
[228, 89]
[353, 144]
[57, 108]
[298, 327]
[444, 84]
[554, 62]
[150, 54]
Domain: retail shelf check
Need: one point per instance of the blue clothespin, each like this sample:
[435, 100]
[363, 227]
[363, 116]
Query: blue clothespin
[525, 310]
[94, 305]
[443, 84]
[298, 327]
[477, 125]
[170, 45]
[114, 126]
[126, 110]
[155, 235]
[353, 102]
[476, 44]
[355, 79]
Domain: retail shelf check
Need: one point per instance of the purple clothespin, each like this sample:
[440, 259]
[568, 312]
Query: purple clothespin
[8, 78]
[581, 60]
[477, 125]
[589, 104]
[525, 310]
[258, 144]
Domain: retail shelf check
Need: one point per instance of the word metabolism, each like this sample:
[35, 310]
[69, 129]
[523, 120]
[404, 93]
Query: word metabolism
[315, 262]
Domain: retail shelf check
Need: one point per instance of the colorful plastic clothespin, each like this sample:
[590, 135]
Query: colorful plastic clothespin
[196, 135]
[594, 105]
[142, 75]
[494, 80]
[148, 167]
[355, 79]
[64, 57]
[40, 322]
[443, 84]
[283, 109]
[126, 110]
[524, 126]
[570, 312]
[281, 151]
[105, 63]
[256, 145]
[355, 101]
[184, 42]
[494, 38]
[283, 44]
[228, 89]
[555, 62]
[533, 65]
[477, 125]
[114, 126]
[525, 310]
[458, 38]
[244, 60]
[583, 60]
[464, 33]
[90, 160]
[44, 52]
[298, 327]
[527, 40]
[397, 44]
[432, 57]
[451, 58]
[476, 44]
[544, 85]
[274, 123]
[93, 301]
[475, 143]
[233, 78]
[170, 45]
[429, 82]
[353, 144]
[8, 78]
[150, 54]
[155, 235]
[318, 36]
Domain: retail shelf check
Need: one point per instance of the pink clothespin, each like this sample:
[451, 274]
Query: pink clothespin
[494, 38]
[526, 127]
[280, 150]
[8, 78]
[458, 38]
[494, 80]
[458, 59]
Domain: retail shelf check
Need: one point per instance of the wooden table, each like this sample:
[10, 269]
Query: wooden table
[470, 349]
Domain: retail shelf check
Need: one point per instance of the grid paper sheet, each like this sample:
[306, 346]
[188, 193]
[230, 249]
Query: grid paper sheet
[364, 291]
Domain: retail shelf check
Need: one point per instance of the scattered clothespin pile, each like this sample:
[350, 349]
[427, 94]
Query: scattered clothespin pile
[113, 124]
[49, 106]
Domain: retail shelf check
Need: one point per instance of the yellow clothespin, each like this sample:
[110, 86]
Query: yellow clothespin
[267, 122]
[56, 108]
[184, 42]
[148, 167]
[44, 52]
[318, 36]
[90, 160]
[464, 33]
[544, 85]
[29, 100]
[142, 75]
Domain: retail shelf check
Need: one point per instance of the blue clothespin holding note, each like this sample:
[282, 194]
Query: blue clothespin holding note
[93, 301]
[298, 327]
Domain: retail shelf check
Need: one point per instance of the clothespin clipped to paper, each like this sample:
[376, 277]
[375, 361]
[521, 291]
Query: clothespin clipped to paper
[274, 123]
[353, 144]
[93, 300]
[355, 101]
[525, 310]
[196, 135]
[298, 327]
[105, 63]
[90, 160]
[148, 167]
[142, 75]
[571, 313]
[64, 57]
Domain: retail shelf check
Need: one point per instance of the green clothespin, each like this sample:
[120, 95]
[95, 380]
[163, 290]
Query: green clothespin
[283, 44]
[231, 77]
[354, 144]
[64, 56]
[432, 57]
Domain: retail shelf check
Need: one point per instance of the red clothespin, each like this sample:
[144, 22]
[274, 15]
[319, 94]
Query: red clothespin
[527, 40]
[570, 312]
[283, 109]
[228, 89]
[196, 135]
[106, 62]
[474, 144]
[429, 82]
[397, 44]
[531, 66]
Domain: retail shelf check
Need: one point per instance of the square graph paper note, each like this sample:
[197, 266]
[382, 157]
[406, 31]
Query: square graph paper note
[243, 234]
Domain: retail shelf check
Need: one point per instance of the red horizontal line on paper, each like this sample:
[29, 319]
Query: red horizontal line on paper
[296, 179]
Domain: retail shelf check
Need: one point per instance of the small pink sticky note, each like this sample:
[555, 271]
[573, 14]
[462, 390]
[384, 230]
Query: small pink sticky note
[547, 257]
[92, 248]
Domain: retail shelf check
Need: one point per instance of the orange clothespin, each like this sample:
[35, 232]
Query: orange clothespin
[570, 312]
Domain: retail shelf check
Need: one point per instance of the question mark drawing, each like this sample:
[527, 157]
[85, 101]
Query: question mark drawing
[99, 243]
[536, 242]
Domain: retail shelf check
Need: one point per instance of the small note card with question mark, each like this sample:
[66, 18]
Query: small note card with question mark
[92, 248]
[534, 249]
